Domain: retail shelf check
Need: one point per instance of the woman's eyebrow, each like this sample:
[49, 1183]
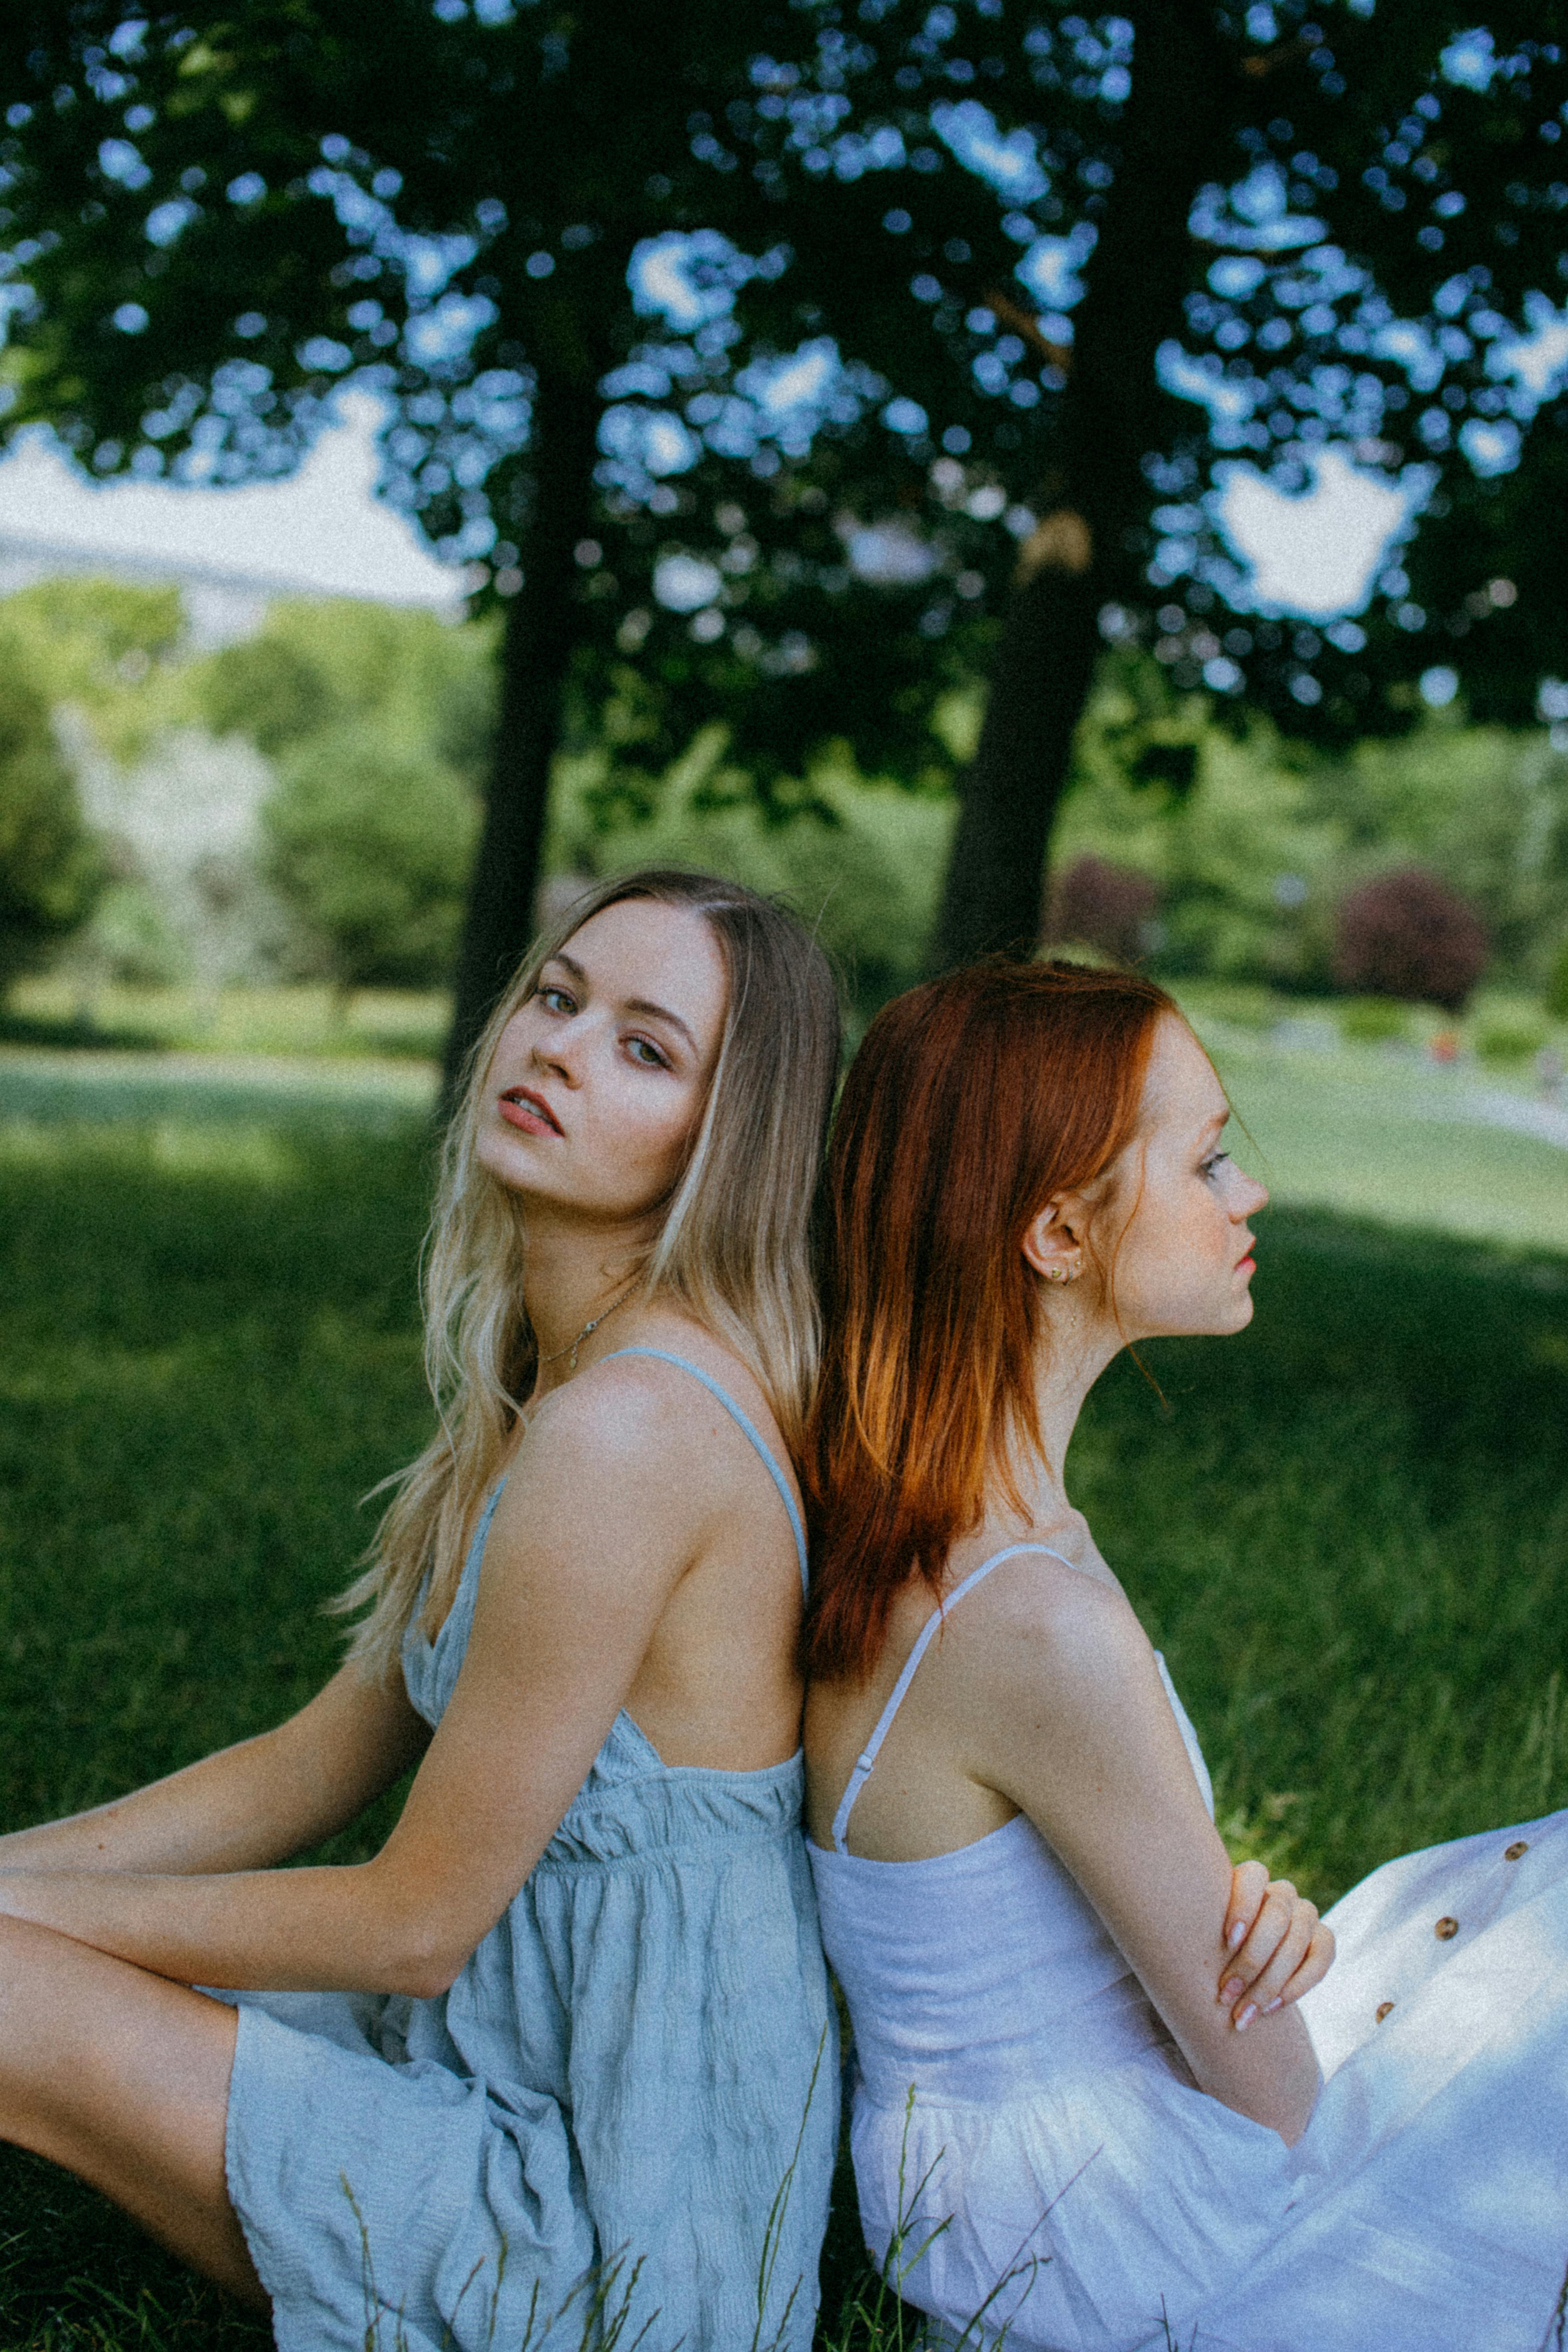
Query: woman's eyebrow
[662, 1013]
[640, 1004]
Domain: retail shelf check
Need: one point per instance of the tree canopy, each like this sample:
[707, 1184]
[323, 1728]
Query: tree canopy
[785, 364]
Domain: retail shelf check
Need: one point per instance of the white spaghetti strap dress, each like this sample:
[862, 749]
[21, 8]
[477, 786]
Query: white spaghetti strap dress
[1013, 2076]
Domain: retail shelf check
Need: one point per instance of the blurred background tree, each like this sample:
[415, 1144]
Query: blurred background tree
[49, 872]
[378, 723]
[797, 367]
[371, 845]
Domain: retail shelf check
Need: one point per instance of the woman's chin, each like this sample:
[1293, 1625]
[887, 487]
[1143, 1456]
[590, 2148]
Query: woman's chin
[506, 1156]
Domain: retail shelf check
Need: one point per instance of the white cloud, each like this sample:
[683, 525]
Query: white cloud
[1315, 553]
[801, 381]
[321, 532]
[683, 584]
[1539, 358]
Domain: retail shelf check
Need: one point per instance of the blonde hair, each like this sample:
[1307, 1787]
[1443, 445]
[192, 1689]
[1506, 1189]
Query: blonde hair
[733, 1248]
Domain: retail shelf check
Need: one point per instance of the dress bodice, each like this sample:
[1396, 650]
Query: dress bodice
[986, 1973]
[632, 1804]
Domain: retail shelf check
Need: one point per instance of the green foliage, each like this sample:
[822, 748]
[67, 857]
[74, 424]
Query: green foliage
[49, 874]
[268, 688]
[1373, 1020]
[1485, 810]
[1556, 998]
[371, 842]
[1510, 1041]
[379, 720]
[231, 343]
[319, 665]
[1219, 850]
[108, 647]
[1255, 859]
[862, 868]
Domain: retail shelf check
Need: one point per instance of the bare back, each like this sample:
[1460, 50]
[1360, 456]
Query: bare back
[718, 1684]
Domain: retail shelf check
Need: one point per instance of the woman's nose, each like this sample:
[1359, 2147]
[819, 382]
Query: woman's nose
[561, 1049]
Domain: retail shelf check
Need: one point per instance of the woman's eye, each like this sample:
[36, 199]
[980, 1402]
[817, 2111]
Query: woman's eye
[643, 1050]
[555, 1000]
[1218, 1160]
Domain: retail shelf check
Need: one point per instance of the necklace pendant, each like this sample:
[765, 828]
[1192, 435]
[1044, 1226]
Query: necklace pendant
[585, 1333]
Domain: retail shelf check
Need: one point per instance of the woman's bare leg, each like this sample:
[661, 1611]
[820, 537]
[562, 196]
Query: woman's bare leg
[123, 2078]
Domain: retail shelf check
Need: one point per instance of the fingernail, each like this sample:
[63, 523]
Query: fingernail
[1246, 2016]
[1230, 1990]
[1278, 2002]
[1237, 1935]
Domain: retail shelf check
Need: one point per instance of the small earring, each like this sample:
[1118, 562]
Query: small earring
[1057, 1273]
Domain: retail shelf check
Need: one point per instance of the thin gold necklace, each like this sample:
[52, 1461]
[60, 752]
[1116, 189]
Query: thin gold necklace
[589, 1328]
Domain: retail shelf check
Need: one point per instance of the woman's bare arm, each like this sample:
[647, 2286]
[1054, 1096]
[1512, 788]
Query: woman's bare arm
[592, 1534]
[1071, 1722]
[250, 1805]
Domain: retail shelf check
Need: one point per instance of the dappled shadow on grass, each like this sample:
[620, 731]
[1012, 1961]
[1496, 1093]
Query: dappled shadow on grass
[199, 1377]
[65, 1036]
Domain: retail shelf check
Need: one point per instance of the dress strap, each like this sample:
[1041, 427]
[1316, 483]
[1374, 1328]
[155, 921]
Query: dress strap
[747, 1427]
[868, 1756]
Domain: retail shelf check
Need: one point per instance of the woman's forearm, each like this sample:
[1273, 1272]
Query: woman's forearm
[247, 1806]
[238, 1810]
[1270, 2072]
[353, 1929]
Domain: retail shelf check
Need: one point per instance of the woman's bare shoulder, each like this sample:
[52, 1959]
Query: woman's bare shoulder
[1040, 1625]
[638, 1415]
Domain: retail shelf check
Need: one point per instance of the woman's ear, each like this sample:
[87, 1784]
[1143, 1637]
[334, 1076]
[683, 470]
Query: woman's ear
[1054, 1240]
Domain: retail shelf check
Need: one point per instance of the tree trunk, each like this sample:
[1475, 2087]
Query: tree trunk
[1175, 133]
[536, 653]
[1008, 798]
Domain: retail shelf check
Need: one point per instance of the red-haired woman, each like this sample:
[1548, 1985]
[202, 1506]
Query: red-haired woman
[1082, 2078]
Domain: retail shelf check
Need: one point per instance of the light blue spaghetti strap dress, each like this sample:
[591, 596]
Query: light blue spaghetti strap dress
[634, 2064]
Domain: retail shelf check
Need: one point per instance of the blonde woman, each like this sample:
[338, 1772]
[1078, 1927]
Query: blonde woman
[569, 2018]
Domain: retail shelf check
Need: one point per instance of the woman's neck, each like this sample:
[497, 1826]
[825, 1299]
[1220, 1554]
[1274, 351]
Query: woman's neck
[1074, 1348]
[575, 1275]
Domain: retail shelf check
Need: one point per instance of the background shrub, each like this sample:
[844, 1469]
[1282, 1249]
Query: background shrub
[1373, 1021]
[1407, 934]
[1102, 906]
[1510, 1041]
[50, 872]
[1557, 985]
[371, 843]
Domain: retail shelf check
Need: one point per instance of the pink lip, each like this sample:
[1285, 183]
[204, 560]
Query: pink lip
[520, 1107]
[1248, 1264]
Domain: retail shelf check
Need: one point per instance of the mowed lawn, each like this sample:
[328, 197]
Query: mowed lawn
[1347, 1529]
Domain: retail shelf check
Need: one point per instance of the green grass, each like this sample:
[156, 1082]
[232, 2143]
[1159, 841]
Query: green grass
[1384, 1137]
[48, 1008]
[1347, 1528]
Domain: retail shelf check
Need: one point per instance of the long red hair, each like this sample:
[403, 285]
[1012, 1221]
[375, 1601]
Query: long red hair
[971, 1102]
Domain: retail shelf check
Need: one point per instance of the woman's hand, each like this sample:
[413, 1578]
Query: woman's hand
[1277, 1947]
